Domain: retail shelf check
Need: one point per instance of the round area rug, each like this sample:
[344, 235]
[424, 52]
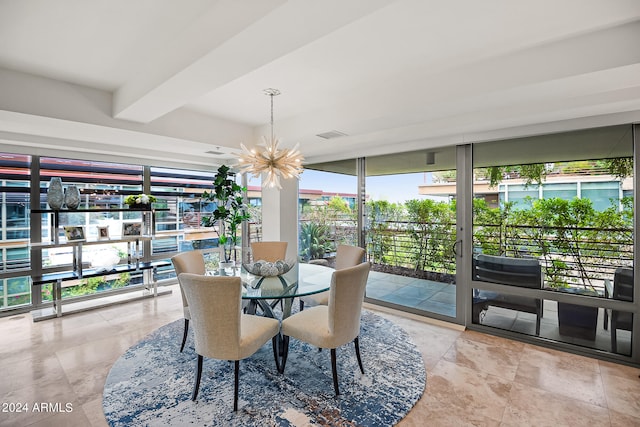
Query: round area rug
[151, 384]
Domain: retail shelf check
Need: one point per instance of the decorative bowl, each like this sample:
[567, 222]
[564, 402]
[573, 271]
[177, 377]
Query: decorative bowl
[269, 269]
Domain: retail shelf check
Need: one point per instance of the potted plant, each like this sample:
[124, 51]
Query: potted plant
[576, 320]
[229, 213]
[139, 201]
[313, 240]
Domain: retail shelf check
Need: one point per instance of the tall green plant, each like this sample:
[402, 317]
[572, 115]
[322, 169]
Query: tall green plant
[570, 235]
[313, 240]
[432, 228]
[382, 240]
[491, 227]
[230, 211]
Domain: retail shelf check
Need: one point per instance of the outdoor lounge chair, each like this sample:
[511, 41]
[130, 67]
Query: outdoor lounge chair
[521, 272]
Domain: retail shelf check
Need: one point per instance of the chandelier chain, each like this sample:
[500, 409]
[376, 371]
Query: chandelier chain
[271, 161]
[272, 92]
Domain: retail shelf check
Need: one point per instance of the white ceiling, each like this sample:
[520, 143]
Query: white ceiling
[169, 80]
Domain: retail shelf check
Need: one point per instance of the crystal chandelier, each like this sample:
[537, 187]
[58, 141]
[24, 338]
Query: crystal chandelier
[275, 163]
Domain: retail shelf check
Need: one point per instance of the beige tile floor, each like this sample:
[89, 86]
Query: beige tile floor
[472, 378]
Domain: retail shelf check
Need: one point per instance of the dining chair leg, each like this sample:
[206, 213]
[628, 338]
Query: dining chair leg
[285, 352]
[184, 336]
[198, 375]
[356, 342]
[274, 344]
[301, 304]
[334, 368]
[235, 387]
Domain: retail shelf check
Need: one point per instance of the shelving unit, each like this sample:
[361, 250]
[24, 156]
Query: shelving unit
[148, 219]
[79, 271]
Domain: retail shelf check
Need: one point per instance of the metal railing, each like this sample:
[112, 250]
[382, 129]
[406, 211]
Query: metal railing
[579, 256]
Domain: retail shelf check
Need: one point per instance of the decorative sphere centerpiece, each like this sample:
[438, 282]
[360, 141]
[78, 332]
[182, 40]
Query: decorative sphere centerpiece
[269, 269]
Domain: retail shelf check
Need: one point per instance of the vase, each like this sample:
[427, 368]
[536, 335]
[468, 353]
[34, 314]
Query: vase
[226, 268]
[72, 197]
[55, 193]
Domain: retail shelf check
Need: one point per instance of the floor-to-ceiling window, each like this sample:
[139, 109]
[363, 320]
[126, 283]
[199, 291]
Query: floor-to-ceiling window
[410, 232]
[550, 245]
[327, 209]
[558, 247]
[103, 187]
[15, 289]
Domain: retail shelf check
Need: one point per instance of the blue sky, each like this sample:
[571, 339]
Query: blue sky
[393, 188]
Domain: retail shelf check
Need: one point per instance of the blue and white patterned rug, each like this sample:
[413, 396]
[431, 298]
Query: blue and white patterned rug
[151, 384]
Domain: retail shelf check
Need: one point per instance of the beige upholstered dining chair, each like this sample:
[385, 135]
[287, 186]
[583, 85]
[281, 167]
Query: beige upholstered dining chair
[268, 251]
[221, 330]
[346, 256]
[335, 324]
[187, 262]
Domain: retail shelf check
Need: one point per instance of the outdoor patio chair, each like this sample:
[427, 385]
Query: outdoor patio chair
[521, 272]
[622, 290]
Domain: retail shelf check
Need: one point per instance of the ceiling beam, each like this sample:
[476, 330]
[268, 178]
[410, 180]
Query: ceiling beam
[245, 37]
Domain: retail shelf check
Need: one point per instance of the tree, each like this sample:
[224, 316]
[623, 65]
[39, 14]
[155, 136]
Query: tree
[534, 172]
[381, 236]
[620, 167]
[230, 210]
[432, 229]
[338, 204]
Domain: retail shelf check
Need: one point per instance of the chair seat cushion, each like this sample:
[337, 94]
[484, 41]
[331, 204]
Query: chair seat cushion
[317, 299]
[312, 326]
[255, 331]
[512, 302]
[622, 320]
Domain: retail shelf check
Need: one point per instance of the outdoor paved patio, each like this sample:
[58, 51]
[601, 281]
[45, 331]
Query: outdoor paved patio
[440, 298]
[421, 294]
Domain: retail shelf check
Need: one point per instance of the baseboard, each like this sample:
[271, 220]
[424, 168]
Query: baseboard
[423, 319]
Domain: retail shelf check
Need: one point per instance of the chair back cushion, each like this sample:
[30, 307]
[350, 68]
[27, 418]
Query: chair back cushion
[348, 256]
[188, 262]
[214, 303]
[345, 301]
[269, 251]
[523, 272]
[623, 284]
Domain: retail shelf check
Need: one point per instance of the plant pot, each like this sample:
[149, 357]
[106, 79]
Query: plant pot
[139, 207]
[578, 321]
[226, 268]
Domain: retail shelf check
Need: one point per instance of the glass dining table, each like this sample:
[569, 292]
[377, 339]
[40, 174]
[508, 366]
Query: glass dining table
[263, 294]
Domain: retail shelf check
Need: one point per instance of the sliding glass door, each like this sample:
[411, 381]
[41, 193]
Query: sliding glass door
[530, 238]
[553, 241]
